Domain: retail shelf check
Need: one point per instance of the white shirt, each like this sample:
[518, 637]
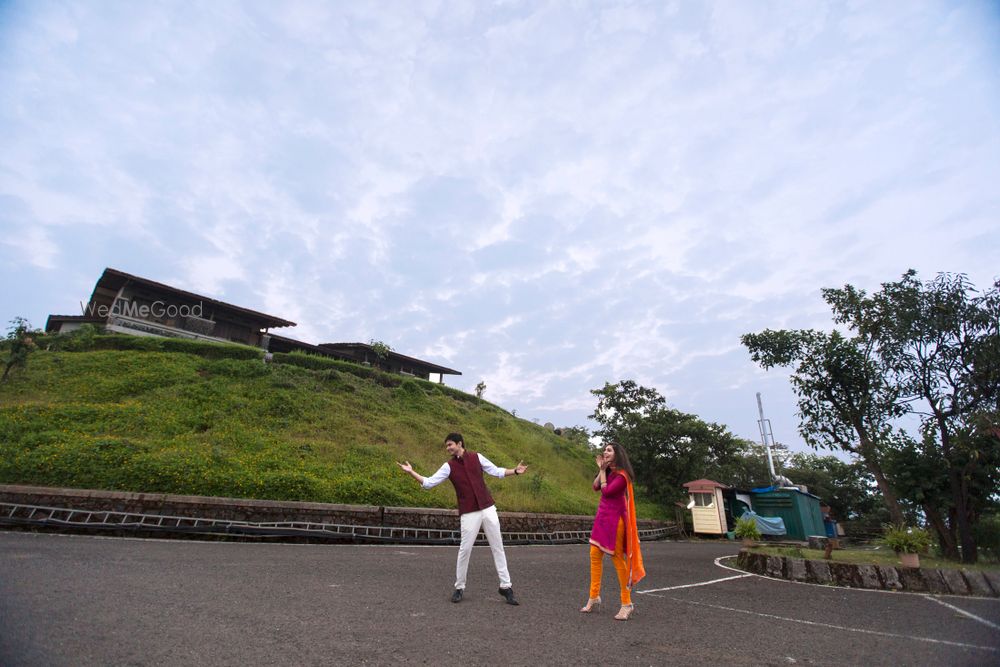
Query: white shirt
[445, 470]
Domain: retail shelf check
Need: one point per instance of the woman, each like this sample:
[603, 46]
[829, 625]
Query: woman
[615, 531]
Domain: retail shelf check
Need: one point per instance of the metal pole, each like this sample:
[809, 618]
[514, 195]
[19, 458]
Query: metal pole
[765, 427]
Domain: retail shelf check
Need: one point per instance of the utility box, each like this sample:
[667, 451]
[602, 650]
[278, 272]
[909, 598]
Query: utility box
[707, 509]
[799, 510]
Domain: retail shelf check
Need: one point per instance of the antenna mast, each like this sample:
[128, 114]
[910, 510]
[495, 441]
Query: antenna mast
[766, 433]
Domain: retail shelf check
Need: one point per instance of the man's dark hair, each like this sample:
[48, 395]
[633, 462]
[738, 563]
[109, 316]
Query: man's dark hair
[456, 438]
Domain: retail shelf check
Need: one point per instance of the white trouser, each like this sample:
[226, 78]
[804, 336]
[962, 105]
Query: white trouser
[488, 520]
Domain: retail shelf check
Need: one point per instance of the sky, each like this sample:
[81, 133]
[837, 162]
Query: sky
[545, 196]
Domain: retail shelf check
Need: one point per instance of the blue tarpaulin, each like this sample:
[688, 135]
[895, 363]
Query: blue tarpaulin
[768, 525]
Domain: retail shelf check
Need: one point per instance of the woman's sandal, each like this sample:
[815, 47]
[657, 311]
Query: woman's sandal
[625, 612]
[591, 604]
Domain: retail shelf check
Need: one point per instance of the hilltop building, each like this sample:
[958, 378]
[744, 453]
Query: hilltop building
[129, 304]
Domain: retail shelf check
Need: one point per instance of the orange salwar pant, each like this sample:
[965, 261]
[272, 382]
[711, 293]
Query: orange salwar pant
[618, 560]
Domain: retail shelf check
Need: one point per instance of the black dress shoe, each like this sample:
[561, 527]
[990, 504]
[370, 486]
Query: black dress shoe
[457, 595]
[508, 593]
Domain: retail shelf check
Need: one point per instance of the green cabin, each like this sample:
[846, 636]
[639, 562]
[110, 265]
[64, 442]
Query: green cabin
[798, 509]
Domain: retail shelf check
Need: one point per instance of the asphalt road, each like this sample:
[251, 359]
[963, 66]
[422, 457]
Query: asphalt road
[74, 600]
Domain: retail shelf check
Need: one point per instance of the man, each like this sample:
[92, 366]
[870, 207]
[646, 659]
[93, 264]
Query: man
[475, 507]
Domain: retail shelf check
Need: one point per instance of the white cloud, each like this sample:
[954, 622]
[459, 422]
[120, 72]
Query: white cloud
[544, 197]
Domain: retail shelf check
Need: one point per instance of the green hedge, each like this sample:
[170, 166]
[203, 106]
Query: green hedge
[74, 342]
[317, 363]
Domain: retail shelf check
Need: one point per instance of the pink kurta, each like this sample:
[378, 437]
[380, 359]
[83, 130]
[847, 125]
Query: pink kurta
[610, 510]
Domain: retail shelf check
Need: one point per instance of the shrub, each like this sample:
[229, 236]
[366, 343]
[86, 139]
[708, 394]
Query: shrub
[209, 350]
[906, 539]
[987, 533]
[304, 360]
[746, 529]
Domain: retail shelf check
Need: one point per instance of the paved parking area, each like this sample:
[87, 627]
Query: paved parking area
[72, 600]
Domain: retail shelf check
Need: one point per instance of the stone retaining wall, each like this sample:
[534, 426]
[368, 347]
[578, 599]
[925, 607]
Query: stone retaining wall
[885, 577]
[241, 509]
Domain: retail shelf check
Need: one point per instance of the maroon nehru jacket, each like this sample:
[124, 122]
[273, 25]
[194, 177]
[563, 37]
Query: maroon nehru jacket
[467, 477]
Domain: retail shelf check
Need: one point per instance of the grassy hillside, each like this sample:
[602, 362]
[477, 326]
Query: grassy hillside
[179, 419]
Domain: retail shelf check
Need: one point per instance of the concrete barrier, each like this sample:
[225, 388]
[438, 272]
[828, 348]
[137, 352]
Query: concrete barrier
[287, 512]
[884, 577]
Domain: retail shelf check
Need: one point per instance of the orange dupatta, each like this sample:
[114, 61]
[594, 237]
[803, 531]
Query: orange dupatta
[633, 554]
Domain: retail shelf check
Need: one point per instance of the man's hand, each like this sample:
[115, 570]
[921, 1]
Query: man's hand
[405, 465]
[520, 468]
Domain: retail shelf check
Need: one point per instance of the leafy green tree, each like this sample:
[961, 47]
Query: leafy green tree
[848, 488]
[746, 466]
[941, 341]
[380, 349]
[845, 400]
[667, 447]
[20, 343]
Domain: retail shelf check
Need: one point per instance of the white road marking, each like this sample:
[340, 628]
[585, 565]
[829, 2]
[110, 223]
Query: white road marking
[963, 612]
[702, 583]
[833, 627]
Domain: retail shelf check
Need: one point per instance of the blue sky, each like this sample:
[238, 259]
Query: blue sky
[546, 196]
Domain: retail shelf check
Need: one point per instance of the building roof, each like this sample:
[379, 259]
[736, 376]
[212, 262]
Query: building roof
[703, 485]
[50, 324]
[113, 280]
[284, 343]
[433, 368]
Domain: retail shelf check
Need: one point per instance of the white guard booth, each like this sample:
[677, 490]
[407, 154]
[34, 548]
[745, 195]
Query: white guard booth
[707, 510]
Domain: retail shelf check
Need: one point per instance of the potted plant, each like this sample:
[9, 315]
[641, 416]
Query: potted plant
[907, 542]
[747, 530]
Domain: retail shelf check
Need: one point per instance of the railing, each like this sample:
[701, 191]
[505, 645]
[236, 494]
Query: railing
[59, 518]
[127, 324]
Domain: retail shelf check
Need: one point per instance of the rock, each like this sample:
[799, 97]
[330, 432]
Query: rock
[819, 572]
[955, 582]
[913, 579]
[868, 576]
[775, 566]
[977, 583]
[890, 577]
[993, 578]
[818, 542]
[845, 574]
[796, 569]
[935, 582]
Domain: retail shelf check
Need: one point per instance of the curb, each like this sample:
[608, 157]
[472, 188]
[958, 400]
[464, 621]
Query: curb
[878, 577]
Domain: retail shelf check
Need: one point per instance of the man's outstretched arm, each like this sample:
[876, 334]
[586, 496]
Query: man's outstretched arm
[490, 469]
[425, 482]
[407, 468]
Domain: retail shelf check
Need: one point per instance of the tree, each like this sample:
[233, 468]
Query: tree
[845, 401]
[941, 340]
[21, 342]
[846, 487]
[380, 349]
[480, 389]
[667, 447]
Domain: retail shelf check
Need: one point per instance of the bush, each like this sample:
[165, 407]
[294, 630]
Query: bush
[209, 350]
[987, 534]
[906, 539]
[304, 360]
[746, 529]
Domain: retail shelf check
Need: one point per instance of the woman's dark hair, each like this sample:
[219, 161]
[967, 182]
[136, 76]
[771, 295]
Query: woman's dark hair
[621, 460]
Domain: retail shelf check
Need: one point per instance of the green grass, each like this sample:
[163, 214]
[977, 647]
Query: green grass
[870, 557]
[204, 421]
